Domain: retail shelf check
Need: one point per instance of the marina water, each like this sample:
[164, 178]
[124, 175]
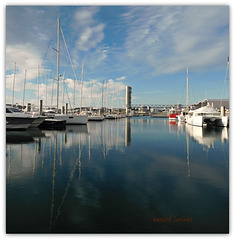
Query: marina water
[131, 175]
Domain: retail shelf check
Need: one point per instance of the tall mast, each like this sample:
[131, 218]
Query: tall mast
[58, 62]
[91, 96]
[187, 106]
[52, 90]
[81, 86]
[63, 90]
[105, 100]
[13, 88]
[102, 96]
[24, 87]
[38, 85]
[46, 89]
[74, 93]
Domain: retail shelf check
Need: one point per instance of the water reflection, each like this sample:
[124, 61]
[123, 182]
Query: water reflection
[207, 136]
[18, 137]
[116, 176]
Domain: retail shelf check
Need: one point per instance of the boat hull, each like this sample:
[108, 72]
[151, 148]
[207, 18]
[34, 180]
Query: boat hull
[95, 118]
[72, 119]
[181, 118]
[112, 117]
[37, 122]
[201, 121]
[18, 123]
[173, 115]
[52, 124]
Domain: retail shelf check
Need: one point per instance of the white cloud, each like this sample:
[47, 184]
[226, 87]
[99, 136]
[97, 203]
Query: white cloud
[90, 37]
[169, 38]
[27, 58]
[84, 16]
[91, 32]
[121, 78]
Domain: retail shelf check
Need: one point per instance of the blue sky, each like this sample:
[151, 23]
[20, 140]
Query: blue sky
[145, 47]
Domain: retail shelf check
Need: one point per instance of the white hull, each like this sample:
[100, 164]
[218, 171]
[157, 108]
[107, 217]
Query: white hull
[181, 118]
[200, 121]
[110, 116]
[72, 119]
[95, 118]
[205, 116]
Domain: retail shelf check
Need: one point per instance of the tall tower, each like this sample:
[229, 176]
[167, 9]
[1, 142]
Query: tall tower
[128, 99]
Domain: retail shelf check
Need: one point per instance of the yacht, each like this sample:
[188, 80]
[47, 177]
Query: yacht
[16, 120]
[70, 119]
[38, 119]
[182, 116]
[206, 116]
[110, 116]
[173, 113]
[95, 118]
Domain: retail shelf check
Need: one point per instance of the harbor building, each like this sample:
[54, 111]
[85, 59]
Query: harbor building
[216, 103]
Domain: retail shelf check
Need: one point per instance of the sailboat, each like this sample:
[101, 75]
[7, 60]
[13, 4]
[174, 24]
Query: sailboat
[92, 116]
[69, 118]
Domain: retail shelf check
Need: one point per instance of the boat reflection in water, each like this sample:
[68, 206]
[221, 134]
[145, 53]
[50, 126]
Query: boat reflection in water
[207, 136]
[18, 137]
[117, 176]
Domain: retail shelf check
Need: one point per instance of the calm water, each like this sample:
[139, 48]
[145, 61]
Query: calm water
[139, 175]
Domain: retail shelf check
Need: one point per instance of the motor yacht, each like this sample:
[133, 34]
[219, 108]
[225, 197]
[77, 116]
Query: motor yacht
[206, 116]
[17, 120]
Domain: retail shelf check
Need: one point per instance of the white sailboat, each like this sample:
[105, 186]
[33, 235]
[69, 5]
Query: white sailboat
[92, 116]
[69, 118]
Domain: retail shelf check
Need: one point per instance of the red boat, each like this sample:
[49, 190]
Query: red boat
[173, 113]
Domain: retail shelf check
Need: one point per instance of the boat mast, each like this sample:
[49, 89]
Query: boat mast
[58, 61]
[91, 96]
[52, 90]
[24, 88]
[187, 106]
[102, 104]
[81, 87]
[63, 90]
[74, 94]
[38, 86]
[46, 89]
[13, 88]
[105, 99]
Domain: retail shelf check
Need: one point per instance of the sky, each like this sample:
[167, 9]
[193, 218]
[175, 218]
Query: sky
[146, 47]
